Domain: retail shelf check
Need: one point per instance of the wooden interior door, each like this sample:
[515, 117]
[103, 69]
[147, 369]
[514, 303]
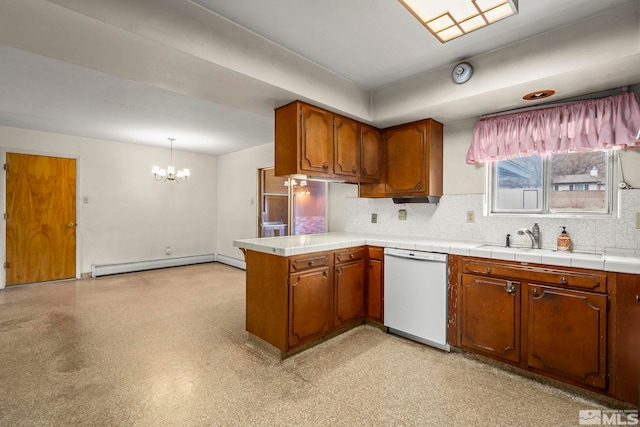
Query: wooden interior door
[41, 216]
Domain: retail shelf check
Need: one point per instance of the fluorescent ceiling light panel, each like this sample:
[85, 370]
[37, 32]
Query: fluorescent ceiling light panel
[448, 19]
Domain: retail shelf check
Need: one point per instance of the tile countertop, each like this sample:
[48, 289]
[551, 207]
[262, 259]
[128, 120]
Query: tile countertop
[617, 260]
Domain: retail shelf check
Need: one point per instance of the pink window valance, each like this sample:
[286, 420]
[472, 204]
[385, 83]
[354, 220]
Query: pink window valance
[595, 124]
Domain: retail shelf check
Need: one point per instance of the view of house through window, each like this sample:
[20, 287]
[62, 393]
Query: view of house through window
[290, 206]
[568, 182]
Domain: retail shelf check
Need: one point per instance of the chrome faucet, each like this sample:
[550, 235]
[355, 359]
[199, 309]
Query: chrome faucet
[534, 239]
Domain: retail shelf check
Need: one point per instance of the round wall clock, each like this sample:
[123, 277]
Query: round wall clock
[462, 72]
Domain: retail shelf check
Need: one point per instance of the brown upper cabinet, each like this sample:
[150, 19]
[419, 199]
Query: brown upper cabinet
[318, 143]
[370, 154]
[303, 140]
[413, 161]
[346, 148]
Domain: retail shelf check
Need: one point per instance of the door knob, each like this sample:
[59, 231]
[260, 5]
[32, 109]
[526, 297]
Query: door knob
[71, 225]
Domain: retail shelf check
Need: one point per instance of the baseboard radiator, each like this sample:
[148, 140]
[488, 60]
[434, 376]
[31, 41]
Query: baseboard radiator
[129, 267]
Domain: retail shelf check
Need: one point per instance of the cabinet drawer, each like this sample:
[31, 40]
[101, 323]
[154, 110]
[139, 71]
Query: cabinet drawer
[348, 255]
[376, 253]
[305, 262]
[571, 278]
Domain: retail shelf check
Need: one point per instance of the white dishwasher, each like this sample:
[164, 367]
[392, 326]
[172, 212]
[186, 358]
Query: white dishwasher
[415, 295]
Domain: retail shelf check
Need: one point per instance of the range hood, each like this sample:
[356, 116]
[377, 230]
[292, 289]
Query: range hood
[416, 199]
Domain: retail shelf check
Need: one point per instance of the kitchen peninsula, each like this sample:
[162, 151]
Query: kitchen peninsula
[301, 289]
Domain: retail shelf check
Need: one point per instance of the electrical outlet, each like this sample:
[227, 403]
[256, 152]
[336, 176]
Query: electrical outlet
[168, 250]
[374, 218]
[402, 214]
[471, 216]
[637, 220]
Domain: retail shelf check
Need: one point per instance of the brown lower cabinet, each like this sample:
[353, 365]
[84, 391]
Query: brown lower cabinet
[310, 305]
[627, 378]
[567, 333]
[293, 301]
[349, 286]
[491, 316]
[375, 285]
[554, 321]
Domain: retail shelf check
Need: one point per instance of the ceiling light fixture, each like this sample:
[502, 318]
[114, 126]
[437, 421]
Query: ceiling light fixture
[448, 19]
[170, 173]
[533, 96]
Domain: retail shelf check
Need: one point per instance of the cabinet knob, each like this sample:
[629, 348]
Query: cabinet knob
[351, 256]
[354, 170]
[637, 298]
[311, 263]
[419, 186]
[325, 274]
[534, 291]
[488, 270]
[325, 166]
[339, 270]
[371, 266]
[563, 279]
[364, 172]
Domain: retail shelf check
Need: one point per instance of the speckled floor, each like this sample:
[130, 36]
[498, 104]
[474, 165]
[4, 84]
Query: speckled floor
[168, 348]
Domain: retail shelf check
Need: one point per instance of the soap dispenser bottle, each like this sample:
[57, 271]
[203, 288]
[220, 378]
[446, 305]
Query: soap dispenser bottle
[564, 241]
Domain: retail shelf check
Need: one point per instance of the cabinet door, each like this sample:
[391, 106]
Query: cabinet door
[346, 148]
[375, 291]
[370, 154]
[310, 305]
[316, 141]
[567, 333]
[627, 342]
[349, 291]
[406, 157]
[491, 316]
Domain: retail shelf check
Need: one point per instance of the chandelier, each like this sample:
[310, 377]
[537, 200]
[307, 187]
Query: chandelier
[170, 173]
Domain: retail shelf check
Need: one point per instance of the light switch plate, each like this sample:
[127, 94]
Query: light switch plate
[402, 214]
[374, 218]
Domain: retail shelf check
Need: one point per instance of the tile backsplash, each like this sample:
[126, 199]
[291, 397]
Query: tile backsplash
[448, 219]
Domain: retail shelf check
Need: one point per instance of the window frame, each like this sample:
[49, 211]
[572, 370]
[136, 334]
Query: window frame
[545, 211]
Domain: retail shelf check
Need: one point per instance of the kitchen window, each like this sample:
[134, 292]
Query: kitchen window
[563, 183]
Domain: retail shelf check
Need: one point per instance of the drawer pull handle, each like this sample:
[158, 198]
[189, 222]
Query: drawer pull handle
[488, 270]
[351, 256]
[311, 263]
[563, 279]
[534, 291]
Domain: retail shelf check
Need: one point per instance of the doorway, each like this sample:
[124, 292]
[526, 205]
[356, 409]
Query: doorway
[41, 219]
[290, 206]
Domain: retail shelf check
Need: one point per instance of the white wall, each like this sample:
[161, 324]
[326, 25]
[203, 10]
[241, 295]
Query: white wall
[129, 217]
[337, 194]
[237, 183]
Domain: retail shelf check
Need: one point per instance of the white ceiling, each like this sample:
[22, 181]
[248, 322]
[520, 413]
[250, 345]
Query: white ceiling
[141, 71]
